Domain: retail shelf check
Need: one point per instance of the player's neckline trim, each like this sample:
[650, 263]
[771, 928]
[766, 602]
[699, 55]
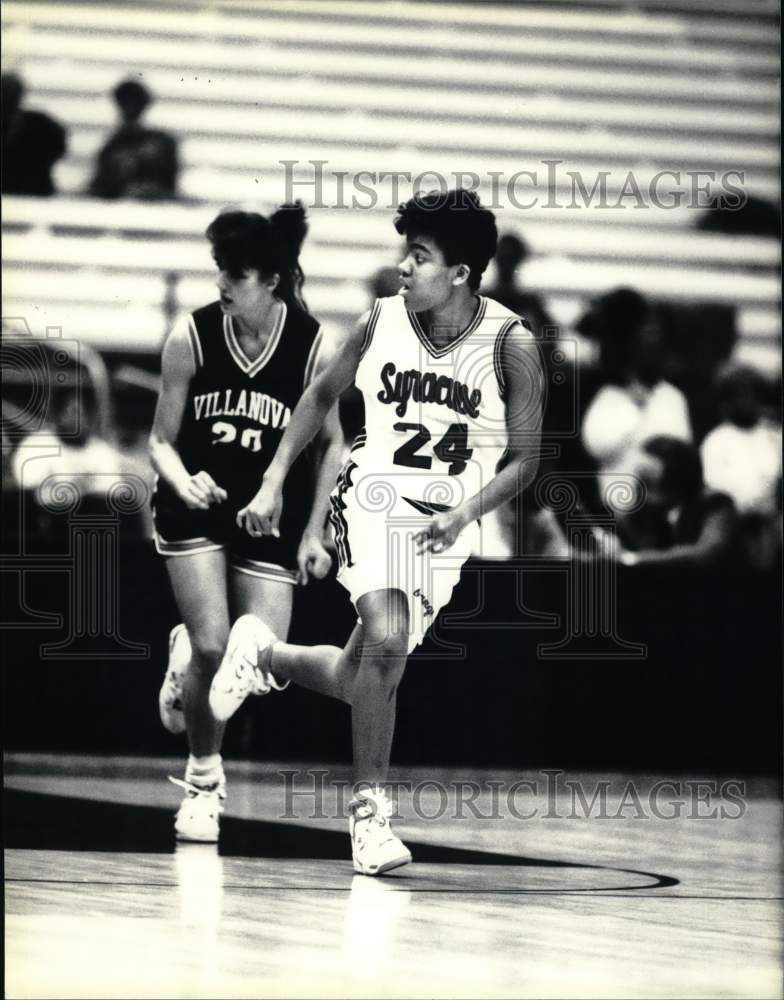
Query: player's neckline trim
[438, 352]
[241, 359]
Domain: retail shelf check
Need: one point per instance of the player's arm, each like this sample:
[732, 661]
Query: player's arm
[524, 380]
[312, 557]
[262, 515]
[177, 370]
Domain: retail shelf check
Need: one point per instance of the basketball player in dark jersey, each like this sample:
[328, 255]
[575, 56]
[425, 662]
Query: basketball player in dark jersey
[453, 387]
[232, 373]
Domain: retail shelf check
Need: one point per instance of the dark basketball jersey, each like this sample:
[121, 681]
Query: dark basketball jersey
[238, 409]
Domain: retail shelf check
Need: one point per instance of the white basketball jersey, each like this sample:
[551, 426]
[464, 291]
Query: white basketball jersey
[435, 417]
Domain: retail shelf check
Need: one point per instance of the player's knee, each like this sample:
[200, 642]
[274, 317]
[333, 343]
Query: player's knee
[384, 670]
[387, 650]
[208, 651]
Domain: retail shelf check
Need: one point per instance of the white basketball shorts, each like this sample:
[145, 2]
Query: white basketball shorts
[375, 523]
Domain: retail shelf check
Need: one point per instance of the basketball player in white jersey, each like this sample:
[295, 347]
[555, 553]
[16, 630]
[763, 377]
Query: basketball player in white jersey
[452, 384]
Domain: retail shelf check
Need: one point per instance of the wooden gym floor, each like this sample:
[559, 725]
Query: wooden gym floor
[100, 903]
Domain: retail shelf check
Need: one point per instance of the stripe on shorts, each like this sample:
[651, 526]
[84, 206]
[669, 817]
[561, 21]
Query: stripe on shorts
[264, 570]
[338, 518]
[359, 441]
[188, 547]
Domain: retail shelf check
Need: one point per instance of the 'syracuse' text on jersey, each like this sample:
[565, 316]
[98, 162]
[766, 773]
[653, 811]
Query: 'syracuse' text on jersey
[238, 409]
[435, 417]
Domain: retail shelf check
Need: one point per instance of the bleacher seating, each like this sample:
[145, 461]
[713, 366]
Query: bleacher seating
[400, 86]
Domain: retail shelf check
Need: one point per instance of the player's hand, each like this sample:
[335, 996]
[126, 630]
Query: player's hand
[312, 558]
[201, 490]
[262, 514]
[440, 533]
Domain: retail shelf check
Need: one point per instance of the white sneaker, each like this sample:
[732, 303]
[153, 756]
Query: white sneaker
[374, 848]
[170, 695]
[241, 672]
[198, 817]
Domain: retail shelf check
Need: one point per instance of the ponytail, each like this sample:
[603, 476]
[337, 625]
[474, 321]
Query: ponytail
[289, 229]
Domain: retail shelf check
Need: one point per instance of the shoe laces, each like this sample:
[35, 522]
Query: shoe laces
[248, 676]
[194, 791]
[375, 807]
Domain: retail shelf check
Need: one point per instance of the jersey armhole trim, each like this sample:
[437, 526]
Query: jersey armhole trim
[370, 327]
[498, 352]
[311, 363]
[198, 355]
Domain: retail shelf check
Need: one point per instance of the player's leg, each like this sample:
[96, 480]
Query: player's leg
[384, 616]
[199, 583]
[325, 669]
[374, 847]
[268, 598]
[200, 590]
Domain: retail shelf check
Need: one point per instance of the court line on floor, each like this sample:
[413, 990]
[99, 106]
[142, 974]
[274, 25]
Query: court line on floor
[61, 821]
[402, 888]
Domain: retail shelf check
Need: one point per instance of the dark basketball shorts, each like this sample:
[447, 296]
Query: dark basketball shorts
[181, 531]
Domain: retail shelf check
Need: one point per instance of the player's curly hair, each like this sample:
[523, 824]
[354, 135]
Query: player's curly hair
[245, 241]
[462, 229]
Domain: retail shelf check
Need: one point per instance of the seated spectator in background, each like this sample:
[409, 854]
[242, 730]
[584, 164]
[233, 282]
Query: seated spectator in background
[511, 254]
[700, 338]
[682, 521]
[32, 143]
[634, 402]
[136, 162]
[71, 450]
[742, 458]
[755, 217]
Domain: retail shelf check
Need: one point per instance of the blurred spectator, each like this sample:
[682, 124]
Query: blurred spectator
[32, 143]
[682, 522]
[634, 402]
[511, 254]
[699, 339]
[71, 449]
[742, 458]
[136, 162]
[755, 217]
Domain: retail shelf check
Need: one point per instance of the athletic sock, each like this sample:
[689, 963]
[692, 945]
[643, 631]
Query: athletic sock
[204, 771]
[280, 682]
